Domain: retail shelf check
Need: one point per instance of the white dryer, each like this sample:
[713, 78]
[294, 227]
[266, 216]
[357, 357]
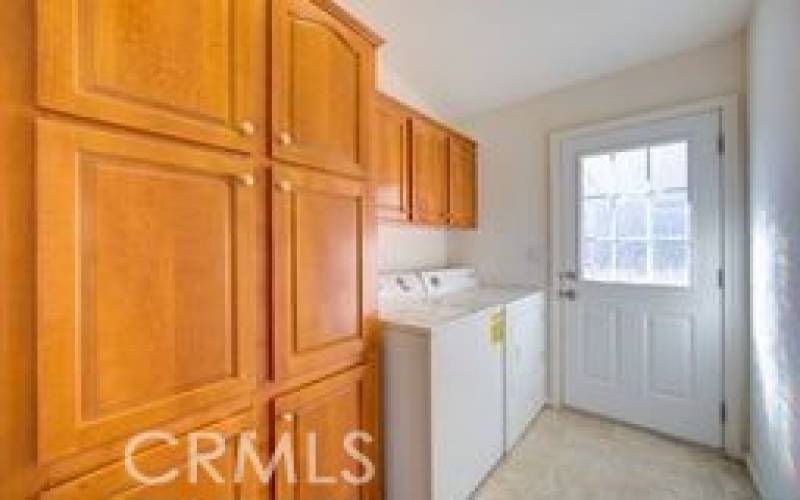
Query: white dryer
[525, 346]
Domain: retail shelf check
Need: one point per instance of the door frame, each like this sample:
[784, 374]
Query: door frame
[735, 316]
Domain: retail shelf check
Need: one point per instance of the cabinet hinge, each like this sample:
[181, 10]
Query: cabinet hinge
[721, 144]
[721, 278]
[723, 412]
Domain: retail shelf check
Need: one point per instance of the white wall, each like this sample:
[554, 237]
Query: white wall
[511, 244]
[402, 247]
[775, 213]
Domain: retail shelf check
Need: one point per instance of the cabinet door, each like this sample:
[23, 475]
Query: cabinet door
[318, 224]
[393, 169]
[168, 465]
[145, 302]
[185, 68]
[316, 421]
[323, 82]
[462, 203]
[429, 172]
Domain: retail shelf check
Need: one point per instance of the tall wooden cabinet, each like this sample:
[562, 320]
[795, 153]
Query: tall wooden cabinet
[322, 346]
[189, 246]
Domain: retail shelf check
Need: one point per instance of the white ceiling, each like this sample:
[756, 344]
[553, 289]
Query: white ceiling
[466, 56]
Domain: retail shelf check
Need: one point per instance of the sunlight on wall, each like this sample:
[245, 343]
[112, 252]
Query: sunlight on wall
[775, 231]
[774, 262]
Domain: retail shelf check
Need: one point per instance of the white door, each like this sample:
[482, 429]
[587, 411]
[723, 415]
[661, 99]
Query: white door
[640, 287]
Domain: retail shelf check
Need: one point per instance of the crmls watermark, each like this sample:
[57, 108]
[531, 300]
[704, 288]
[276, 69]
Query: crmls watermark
[205, 447]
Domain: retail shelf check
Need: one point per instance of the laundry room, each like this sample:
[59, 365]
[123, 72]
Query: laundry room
[400, 249]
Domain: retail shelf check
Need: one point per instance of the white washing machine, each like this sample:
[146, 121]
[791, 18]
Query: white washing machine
[443, 376]
[463, 376]
[525, 347]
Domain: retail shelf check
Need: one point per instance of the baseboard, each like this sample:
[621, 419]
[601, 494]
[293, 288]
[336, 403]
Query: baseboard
[754, 475]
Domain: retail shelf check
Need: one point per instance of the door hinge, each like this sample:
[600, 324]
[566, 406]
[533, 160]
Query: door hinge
[723, 412]
[721, 278]
[721, 144]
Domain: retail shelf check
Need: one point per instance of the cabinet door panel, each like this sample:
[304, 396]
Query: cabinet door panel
[183, 67]
[145, 302]
[429, 172]
[322, 89]
[114, 481]
[393, 170]
[462, 208]
[318, 272]
[318, 419]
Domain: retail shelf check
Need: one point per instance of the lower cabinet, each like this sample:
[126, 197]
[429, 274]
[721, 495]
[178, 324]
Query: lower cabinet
[166, 471]
[329, 430]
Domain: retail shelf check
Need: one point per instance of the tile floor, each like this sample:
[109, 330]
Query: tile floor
[567, 455]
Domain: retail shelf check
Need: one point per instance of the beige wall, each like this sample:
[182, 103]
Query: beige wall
[403, 247]
[511, 245]
[775, 252]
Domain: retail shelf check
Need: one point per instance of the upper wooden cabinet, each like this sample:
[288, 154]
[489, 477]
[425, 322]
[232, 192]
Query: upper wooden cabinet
[145, 299]
[425, 173]
[463, 194]
[392, 165]
[318, 287]
[185, 68]
[322, 86]
[429, 150]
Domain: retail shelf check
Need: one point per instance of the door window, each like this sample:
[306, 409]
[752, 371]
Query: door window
[636, 215]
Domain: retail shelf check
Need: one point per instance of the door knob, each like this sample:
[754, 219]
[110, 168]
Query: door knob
[567, 294]
[284, 186]
[247, 128]
[568, 275]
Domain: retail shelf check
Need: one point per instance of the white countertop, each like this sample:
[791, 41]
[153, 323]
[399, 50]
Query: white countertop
[431, 313]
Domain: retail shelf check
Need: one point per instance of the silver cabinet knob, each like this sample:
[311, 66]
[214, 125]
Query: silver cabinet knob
[285, 138]
[284, 186]
[288, 417]
[247, 179]
[247, 128]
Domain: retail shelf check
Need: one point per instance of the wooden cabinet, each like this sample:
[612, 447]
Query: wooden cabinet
[171, 461]
[201, 234]
[322, 86]
[462, 193]
[317, 421]
[392, 160]
[318, 282]
[425, 173]
[429, 151]
[429, 172]
[145, 300]
[185, 68]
